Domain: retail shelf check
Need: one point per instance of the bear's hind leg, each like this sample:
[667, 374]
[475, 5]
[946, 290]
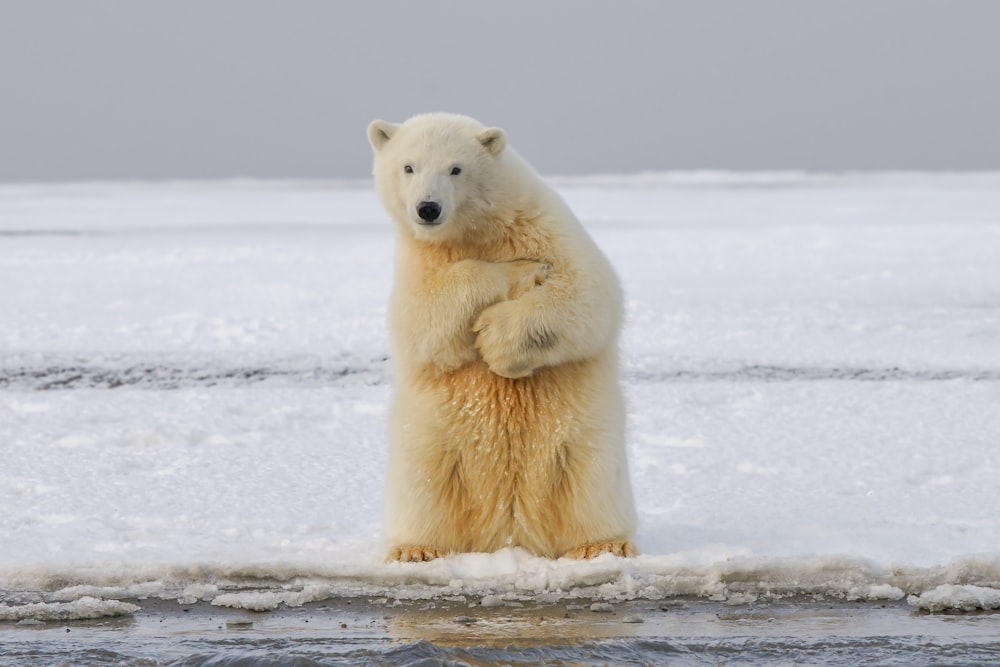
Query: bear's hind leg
[622, 548]
[410, 553]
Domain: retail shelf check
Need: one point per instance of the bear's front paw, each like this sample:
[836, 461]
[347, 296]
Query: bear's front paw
[507, 342]
[524, 274]
[409, 553]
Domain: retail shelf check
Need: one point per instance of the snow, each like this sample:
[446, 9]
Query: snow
[194, 377]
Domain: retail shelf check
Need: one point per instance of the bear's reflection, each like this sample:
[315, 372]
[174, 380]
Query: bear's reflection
[462, 626]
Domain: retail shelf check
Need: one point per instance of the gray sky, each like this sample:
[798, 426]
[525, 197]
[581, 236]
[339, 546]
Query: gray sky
[129, 89]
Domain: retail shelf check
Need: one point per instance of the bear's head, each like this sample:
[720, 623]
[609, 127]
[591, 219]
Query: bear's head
[436, 172]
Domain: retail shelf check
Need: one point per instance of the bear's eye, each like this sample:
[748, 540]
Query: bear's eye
[408, 168]
[455, 171]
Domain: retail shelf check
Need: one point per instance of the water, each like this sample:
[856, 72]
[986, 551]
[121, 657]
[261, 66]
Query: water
[366, 632]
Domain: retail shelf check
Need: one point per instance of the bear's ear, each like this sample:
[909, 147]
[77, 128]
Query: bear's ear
[493, 139]
[379, 132]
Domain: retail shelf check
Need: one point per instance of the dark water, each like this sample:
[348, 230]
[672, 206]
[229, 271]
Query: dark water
[424, 634]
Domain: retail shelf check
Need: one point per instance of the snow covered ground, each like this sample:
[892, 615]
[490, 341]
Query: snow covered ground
[194, 378]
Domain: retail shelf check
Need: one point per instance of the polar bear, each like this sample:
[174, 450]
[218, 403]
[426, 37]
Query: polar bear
[507, 421]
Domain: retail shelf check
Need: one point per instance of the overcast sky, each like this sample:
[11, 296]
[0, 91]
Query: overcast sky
[126, 89]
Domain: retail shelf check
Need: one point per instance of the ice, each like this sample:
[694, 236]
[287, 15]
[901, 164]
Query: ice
[81, 609]
[194, 378]
[267, 600]
[950, 597]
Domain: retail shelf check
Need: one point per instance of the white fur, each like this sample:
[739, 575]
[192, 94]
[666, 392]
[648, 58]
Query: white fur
[507, 422]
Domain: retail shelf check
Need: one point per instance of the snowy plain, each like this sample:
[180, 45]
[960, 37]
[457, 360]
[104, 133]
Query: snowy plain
[194, 380]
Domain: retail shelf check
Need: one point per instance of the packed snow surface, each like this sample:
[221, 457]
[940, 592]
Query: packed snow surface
[194, 378]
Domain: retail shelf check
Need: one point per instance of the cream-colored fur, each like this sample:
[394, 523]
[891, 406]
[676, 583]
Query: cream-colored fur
[507, 425]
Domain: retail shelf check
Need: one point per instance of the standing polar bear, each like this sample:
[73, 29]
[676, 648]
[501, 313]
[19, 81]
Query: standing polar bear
[507, 424]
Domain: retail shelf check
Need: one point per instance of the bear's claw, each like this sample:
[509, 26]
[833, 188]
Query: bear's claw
[526, 274]
[622, 548]
[415, 554]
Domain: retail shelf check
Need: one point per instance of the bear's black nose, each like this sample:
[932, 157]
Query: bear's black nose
[429, 211]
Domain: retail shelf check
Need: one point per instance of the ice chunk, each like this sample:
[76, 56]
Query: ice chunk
[951, 597]
[84, 608]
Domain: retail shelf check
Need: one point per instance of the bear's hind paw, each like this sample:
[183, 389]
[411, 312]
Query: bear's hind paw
[409, 553]
[622, 548]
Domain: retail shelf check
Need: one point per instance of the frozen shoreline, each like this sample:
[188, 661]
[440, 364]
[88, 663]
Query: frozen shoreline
[509, 576]
[193, 380]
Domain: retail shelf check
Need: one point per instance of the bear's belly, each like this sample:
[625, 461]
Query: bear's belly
[511, 454]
